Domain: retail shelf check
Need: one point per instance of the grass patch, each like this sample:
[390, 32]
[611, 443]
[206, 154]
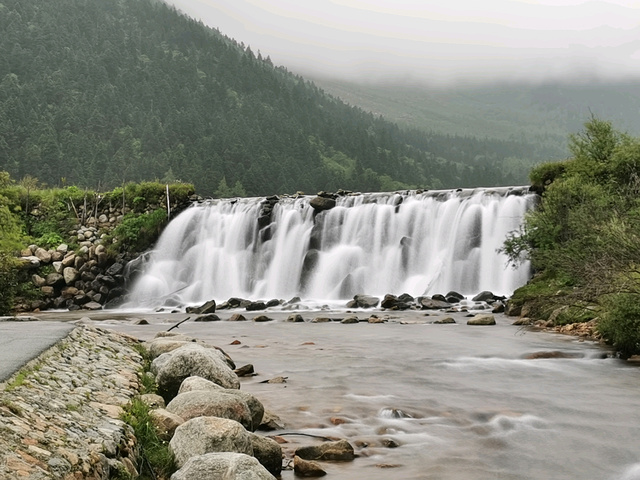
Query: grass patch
[156, 460]
[13, 408]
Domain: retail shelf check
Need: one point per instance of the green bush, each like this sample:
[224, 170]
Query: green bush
[8, 282]
[620, 324]
[137, 232]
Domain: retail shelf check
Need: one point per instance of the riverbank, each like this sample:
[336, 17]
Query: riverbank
[63, 414]
[60, 414]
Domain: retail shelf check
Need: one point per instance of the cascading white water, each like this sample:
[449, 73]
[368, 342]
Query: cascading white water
[416, 243]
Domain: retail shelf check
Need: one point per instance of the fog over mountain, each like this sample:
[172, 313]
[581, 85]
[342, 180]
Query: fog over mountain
[458, 42]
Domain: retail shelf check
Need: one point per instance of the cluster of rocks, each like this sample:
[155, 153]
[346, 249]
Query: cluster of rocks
[210, 424]
[60, 416]
[87, 278]
[452, 301]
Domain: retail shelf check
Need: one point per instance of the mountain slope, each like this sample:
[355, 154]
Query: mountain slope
[101, 92]
[541, 116]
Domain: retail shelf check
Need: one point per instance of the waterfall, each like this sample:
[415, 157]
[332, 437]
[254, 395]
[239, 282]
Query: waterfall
[419, 243]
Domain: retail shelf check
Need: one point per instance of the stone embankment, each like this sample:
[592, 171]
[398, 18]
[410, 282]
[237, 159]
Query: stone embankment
[60, 415]
[87, 276]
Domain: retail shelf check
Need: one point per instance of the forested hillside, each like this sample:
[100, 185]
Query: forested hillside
[102, 92]
[537, 117]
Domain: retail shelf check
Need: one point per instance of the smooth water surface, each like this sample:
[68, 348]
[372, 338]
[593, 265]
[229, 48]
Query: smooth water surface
[450, 402]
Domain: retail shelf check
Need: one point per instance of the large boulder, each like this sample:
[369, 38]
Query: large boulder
[366, 301]
[207, 307]
[172, 368]
[485, 296]
[167, 342]
[212, 403]
[268, 452]
[391, 302]
[427, 303]
[195, 383]
[322, 203]
[222, 466]
[201, 435]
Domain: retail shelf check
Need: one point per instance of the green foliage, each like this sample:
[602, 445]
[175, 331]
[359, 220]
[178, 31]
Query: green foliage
[586, 231]
[167, 98]
[621, 323]
[8, 282]
[49, 240]
[156, 458]
[545, 173]
[137, 232]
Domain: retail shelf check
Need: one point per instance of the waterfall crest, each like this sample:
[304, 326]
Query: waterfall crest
[419, 243]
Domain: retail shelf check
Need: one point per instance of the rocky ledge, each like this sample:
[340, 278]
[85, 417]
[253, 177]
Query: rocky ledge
[59, 416]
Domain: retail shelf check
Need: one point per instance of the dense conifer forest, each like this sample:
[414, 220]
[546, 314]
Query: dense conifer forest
[98, 93]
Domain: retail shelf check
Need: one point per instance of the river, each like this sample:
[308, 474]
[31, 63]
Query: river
[426, 401]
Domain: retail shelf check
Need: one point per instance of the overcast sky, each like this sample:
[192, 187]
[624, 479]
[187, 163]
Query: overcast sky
[435, 41]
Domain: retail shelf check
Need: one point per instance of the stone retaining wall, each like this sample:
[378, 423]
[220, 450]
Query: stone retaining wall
[59, 416]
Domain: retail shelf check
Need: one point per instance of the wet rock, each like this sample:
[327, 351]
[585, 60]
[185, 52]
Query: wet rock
[445, 320]
[268, 452]
[550, 354]
[307, 468]
[375, 319]
[366, 301]
[255, 306]
[262, 318]
[454, 297]
[321, 320]
[485, 296]
[92, 306]
[482, 319]
[336, 451]
[237, 317]
[350, 319]
[270, 421]
[273, 303]
[322, 203]
[202, 435]
[498, 307]
[296, 317]
[209, 317]
[391, 302]
[245, 371]
[427, 303]
[207, 307]
[512, 309]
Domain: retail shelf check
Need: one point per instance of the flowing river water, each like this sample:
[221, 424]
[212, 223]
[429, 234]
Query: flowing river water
[426, 401]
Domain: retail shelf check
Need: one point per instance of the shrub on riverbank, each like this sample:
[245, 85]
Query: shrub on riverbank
[584, 237]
